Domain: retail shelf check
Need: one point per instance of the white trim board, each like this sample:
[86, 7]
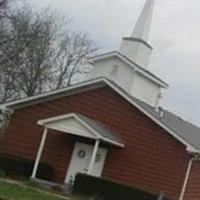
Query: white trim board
[85, 131]
[81, 87]
[137, 68]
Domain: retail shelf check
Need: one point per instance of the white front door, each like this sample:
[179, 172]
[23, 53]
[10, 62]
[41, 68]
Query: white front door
[80, 161]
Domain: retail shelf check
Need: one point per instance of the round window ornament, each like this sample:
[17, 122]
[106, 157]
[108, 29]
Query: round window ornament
[81, 153]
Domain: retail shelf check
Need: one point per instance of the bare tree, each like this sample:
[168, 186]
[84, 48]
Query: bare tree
[4, 120]
[35, 59]
[39, 53]
[3, 12]
[3, 5]
[70, 59]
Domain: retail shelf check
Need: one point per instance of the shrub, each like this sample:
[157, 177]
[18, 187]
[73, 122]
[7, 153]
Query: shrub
[2, 173]
[99, 188]
[15, 166]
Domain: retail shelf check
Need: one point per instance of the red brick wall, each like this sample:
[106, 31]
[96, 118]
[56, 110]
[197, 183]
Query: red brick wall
[151, 159]
[193, 187]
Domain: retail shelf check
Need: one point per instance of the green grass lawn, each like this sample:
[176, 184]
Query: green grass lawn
[10, 191]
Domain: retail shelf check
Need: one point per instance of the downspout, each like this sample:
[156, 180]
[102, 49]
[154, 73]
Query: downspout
[187, 176]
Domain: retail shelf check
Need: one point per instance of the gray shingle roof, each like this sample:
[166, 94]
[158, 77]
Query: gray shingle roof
[186, 130]
[101, 128]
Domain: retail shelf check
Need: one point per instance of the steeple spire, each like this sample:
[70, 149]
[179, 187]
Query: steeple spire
[136, 46]
[142, 27]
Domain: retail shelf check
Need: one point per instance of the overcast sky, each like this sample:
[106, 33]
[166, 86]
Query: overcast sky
[175, 36]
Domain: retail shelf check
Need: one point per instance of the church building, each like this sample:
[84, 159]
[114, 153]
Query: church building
[111, 125]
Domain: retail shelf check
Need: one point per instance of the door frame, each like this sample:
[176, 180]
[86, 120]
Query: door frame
[93, 156]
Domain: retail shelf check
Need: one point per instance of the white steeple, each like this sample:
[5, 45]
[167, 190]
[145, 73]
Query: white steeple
[132, 76]
[142, 27]
[136, 46]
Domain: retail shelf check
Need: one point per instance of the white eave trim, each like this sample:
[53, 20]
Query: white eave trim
[56, 92]
[45, 122]
[115, 53]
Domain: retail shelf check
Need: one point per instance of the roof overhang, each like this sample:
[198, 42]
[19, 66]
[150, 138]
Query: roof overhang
[130, 63]
[75, 124]
[68, 91]
[92, 84]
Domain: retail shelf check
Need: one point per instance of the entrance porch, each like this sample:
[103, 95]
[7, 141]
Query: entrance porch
[90, 146]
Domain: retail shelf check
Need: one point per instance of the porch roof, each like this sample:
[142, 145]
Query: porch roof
[80, 125]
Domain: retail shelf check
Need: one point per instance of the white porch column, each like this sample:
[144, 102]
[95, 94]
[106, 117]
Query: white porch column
[94, 153]
[39, 153]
